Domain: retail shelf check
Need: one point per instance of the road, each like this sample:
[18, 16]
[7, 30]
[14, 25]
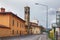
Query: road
[30, 37]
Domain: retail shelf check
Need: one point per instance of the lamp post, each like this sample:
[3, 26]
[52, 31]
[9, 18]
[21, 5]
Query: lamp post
[46, 16]
[46, 13]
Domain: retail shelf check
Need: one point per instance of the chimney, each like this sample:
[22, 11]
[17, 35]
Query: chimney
[2, 9]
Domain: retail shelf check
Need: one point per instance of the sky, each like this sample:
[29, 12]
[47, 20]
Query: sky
[37, 11]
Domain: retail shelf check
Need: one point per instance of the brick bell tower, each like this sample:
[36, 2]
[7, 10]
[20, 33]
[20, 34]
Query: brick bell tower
[27, 18]
[27, 15]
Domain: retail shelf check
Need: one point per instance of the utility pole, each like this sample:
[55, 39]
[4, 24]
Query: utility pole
[46, 16]
[46, 13]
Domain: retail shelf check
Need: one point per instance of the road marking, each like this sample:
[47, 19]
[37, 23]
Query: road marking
[40, 38]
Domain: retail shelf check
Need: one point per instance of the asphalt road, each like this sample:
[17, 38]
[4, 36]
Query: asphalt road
[30, 37]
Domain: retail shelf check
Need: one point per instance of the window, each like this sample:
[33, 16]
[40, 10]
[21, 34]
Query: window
[13, 22]
[57, 21]
[58, 16]
[23, 25]
[20, 32]
[12, 31]
[17, 24]
[17, 31]
[26, 12]
[20, 25]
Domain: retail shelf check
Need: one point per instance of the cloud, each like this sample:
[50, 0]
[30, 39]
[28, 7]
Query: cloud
[51, 11]
[17, 6]
[53, 21]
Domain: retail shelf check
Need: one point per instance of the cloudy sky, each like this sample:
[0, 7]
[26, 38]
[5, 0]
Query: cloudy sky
[37, 11]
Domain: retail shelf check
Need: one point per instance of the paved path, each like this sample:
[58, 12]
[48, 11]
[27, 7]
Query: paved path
[31, 37]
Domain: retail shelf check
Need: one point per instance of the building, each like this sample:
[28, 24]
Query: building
[34, 27]
[11, 24]
[58, 22]
[27, 17]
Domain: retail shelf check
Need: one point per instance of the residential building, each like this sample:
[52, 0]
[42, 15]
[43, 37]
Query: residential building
[35, 29]
[11, 24]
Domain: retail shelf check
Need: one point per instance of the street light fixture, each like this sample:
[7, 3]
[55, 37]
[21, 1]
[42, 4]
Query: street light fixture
[46, 12]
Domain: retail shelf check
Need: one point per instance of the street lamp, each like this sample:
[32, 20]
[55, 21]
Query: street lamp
[46, 13]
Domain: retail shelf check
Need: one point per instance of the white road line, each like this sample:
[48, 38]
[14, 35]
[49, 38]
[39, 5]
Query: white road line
[40, 38]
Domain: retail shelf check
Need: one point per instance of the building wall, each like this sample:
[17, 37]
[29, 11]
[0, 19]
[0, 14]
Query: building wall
[35, 30]
[27, 15]
[4, 32]
[16, 25]
[4, 20]
[4, 24]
